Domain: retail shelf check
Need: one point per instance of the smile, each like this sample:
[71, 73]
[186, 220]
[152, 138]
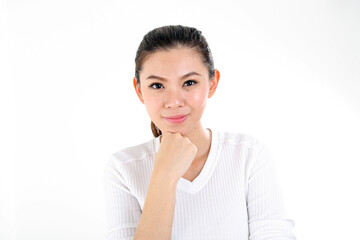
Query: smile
[177, 120]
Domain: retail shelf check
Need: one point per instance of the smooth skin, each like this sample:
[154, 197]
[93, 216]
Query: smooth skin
[184, 146]
[174, 96]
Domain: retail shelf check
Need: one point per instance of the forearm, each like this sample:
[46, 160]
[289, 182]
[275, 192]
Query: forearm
[158, 214]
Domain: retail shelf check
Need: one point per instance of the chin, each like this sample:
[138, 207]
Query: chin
[173, 130]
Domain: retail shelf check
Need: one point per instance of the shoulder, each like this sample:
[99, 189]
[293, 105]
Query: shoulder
[241, 139]
[131, 154]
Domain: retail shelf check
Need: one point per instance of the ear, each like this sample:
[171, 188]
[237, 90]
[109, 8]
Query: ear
[137, 90]
[214, 83]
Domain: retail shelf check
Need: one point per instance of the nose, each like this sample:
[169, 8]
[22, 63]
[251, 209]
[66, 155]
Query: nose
[174, 98]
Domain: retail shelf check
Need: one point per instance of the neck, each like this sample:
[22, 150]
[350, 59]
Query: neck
[201, 138]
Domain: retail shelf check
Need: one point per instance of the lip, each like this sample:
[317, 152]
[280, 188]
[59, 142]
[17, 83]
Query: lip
[176, 119]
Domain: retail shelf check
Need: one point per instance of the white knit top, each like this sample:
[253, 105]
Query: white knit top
[235, 196]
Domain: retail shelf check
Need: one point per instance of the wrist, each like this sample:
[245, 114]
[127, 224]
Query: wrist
[164, 179]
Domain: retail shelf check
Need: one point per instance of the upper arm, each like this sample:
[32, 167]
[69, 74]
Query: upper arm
[122, 208]
[266, 211]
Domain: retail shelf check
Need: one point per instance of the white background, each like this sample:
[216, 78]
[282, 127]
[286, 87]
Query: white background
[289, 76]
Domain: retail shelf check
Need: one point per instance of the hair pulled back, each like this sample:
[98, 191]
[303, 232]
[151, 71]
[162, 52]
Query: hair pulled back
[169, 37]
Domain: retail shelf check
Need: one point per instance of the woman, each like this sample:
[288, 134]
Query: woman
[189, 182]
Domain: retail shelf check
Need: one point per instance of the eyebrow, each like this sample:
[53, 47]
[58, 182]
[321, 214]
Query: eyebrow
[163, 79]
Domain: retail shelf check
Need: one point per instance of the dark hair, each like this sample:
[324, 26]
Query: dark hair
[166, 38]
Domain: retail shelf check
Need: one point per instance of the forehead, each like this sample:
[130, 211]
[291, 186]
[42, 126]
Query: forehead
[174, 62]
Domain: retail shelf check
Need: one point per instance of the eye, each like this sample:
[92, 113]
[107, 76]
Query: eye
[159, 85]
[155, 84]
[191, 81]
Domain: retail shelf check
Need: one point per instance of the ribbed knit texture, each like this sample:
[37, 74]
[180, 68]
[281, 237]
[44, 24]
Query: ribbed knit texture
[235, 196]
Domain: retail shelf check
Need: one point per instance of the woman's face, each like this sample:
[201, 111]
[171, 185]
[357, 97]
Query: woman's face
[175, 82]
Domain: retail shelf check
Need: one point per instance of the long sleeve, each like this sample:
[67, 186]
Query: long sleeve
[122, 209]
[239, 167]
[266, 211]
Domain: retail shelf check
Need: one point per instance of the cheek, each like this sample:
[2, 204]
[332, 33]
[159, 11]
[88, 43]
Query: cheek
[152, 103]
[197, 99]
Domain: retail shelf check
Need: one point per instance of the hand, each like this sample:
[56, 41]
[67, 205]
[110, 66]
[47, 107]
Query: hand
[174, 157]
